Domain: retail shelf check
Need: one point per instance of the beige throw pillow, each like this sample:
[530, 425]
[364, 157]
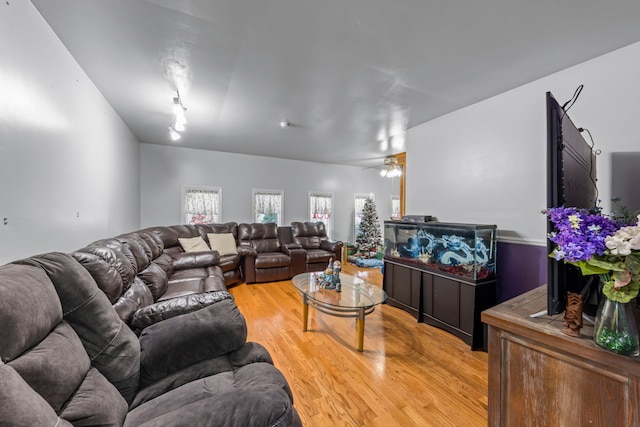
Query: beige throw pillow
[224, 243]
[193, 244]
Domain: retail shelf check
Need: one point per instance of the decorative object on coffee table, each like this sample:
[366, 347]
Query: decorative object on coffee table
[337, 267]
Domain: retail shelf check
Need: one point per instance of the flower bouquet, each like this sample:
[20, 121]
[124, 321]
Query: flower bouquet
[601, 245]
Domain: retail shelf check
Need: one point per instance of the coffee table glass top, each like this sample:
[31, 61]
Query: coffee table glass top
[355, 292]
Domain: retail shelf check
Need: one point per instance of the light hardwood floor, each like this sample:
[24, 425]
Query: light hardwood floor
[410, 374]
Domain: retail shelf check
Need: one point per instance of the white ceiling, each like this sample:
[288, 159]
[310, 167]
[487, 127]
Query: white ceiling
[350, 75]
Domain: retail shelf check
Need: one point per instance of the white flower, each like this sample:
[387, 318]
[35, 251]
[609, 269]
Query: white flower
[617, 245]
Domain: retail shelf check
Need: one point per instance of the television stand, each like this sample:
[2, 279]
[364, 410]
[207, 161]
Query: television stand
[533, 365]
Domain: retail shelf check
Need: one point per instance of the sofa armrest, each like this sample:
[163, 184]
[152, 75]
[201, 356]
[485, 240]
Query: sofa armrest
[187, 260]
[288, 246]
[331, 245]
[163, 310]
[247, 250]
[298, 261]
[176, 343]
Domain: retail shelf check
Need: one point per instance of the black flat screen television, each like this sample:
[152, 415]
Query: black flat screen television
[571, 182]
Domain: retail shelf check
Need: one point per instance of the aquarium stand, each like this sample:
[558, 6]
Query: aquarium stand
[449, 303]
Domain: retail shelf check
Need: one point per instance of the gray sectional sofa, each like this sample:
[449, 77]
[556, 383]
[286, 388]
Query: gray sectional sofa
[67, 358]
[133, 330]
[139, 329]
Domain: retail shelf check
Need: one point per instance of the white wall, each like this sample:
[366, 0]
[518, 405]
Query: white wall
[68, 164]
[486, 163]
[166, 169]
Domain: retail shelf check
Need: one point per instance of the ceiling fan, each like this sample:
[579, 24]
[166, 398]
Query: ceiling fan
[392, 167]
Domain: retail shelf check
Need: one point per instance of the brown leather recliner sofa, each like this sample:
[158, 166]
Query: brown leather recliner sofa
[312, 238]
[149, 277]
[265, 260]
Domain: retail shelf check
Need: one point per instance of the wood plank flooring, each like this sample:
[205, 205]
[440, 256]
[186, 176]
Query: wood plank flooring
[410, 374]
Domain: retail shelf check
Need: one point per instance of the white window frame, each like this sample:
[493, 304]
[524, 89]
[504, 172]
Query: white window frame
[187, 188]
[357, 215]
[395, 199]
[327, 223]
[259, 191]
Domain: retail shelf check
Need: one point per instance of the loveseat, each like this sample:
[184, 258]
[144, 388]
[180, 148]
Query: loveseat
[312, 238]
[67, 358]
[264, 259]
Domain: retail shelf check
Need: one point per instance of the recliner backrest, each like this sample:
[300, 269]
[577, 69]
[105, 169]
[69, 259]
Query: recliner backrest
[262, 237]
[309, 235]
[67, 354]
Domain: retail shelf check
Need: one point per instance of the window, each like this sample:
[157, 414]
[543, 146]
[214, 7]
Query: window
[395, 207]
[321, 209]
[267, 206]
[202, 205]
[359, 200]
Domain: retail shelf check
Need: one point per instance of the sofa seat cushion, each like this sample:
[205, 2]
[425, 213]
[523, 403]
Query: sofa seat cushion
[272, 259]
[319, 256]
[252, 395]
[193, 286]
[96, 402]
[230, 262]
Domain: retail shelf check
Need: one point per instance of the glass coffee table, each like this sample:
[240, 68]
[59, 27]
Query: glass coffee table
[357, 298]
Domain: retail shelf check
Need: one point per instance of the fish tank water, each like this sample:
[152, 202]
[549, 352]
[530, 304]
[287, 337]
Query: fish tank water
[462, 250]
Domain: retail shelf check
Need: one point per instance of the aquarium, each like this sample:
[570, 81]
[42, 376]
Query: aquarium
[461, 250]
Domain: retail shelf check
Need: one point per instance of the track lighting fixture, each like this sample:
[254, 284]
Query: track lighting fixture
[179, 120]
[173, 134]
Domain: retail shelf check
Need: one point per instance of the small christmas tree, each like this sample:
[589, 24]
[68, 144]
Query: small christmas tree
[369, 238]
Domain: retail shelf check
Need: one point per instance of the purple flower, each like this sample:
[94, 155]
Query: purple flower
[579, 234]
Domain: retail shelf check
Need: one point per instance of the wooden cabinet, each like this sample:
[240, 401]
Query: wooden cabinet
[402, 286]
[447, 303]
[540, 377]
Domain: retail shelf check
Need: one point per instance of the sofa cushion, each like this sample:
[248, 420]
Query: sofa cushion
[188, 260]
[272, 259]
[96, 402]
[55, 366]
[249, 399]
[103, 270]
[140, 250]
[14, 392]
[156, 280]
[210, 332]
[138, 295]
[54, 370]
[111, 346]
[154, 242]
[20, 288]
[193, 244]
[224, 243]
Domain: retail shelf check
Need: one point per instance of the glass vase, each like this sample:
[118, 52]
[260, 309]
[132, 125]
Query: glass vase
[615, 328]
